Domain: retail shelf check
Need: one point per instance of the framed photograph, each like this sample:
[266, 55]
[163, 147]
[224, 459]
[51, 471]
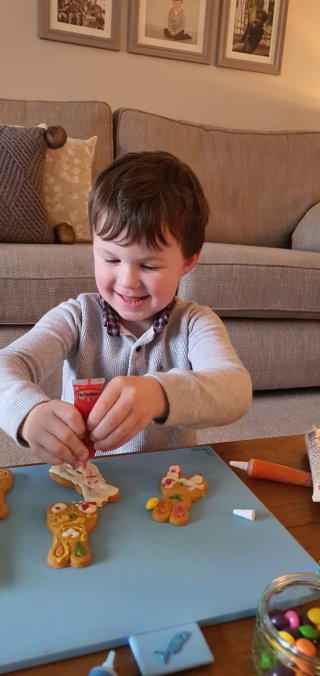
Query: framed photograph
[94, 23]
[251, 34]
[173, 29]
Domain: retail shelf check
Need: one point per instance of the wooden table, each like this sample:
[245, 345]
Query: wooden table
[231, 642]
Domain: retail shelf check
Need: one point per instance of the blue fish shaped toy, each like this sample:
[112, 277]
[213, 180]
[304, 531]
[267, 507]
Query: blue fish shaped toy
[174, 646]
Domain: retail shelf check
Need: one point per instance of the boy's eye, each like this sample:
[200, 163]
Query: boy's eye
[111, 261]
[149, 267]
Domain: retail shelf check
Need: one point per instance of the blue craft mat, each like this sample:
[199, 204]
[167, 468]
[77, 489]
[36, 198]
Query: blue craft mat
[145, 575]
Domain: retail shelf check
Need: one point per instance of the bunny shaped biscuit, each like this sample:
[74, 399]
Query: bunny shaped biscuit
[70, 525]
[6, 481]
[179, 492]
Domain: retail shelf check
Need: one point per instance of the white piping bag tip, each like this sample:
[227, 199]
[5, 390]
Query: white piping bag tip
[239, 464]
[245, 513]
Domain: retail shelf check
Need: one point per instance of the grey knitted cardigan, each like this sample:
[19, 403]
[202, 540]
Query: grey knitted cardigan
[192, 357]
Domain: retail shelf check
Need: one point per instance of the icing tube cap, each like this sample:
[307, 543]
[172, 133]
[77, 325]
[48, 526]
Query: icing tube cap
[106, 668]
[239, 464]
[245, 513]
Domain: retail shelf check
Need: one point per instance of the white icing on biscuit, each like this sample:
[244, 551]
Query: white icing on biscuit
[93, 486]
[174, 477]
[70, 533]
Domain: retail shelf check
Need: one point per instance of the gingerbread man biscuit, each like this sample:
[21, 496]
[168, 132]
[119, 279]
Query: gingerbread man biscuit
[70, 525]
[6, 481]
[87, 482]
[179, 492]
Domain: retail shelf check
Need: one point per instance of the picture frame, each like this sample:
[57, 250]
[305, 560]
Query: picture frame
[95, 23]
[150, 29]
[244, 27]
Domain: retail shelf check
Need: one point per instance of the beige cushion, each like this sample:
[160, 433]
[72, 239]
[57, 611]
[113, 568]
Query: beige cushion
[250, 281]
[23, 213]
[259, 184]
[67, 184]
[306, 236]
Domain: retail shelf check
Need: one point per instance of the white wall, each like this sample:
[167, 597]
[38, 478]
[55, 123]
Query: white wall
[44, 69]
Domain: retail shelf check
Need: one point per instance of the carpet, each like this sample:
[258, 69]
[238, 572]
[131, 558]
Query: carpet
[272, 414]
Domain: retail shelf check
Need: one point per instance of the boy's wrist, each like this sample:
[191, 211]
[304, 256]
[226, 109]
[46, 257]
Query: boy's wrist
[161, 403]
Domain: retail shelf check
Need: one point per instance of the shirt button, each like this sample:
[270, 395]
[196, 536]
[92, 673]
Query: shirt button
[138, 349]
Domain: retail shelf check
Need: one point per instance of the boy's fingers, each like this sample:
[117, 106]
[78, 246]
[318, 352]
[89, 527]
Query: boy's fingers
[104, 403]
[71, 416]
[110, 423]
[125, 431]
[54, 446]
[65, 437]
[49, 457]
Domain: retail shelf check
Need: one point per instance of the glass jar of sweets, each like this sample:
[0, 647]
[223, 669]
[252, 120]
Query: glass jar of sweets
[287, 633]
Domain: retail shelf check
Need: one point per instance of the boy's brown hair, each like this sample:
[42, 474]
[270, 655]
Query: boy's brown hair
[141, 193]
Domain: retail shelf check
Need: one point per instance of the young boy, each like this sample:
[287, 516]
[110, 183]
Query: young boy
[176, 22]
[168, 364]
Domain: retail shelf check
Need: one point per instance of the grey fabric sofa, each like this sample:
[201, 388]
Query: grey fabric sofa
[259, 186]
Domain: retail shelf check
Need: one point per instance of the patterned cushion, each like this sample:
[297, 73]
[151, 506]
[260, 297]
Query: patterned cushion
[67, 184]
[23, 214]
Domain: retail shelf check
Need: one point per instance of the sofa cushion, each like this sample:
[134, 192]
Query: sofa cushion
[306, 236]
[259, 184]
[23, 214]
[261, 282]
[36, 278]
[67, 184]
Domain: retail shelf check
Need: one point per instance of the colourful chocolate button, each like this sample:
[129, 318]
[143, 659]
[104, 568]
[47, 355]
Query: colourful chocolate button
[308, 631]
[314, 615]
[293, 618]
[306, 647]
[280, 621]
[287, 637]
[266, 661]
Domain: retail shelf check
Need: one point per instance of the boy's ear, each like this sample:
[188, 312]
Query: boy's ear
[190, 263]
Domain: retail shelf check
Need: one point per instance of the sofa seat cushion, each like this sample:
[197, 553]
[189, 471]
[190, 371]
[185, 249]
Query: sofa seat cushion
[250, 281]
[36, 277]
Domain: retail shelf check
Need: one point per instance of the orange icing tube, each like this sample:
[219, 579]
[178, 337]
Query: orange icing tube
[86, 392]
[261, 469]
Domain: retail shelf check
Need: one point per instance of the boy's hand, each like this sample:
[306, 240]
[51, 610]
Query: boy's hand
[53, 431]
[124, 408]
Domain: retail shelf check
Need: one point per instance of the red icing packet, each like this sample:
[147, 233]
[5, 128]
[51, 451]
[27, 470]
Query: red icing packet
[86, 392]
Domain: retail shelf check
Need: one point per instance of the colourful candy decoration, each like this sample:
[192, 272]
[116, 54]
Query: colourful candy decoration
[152, 503]
[287, 637]
[313, 615]
[305, 646]
[293, 618]
[301, 631]
[308, 631]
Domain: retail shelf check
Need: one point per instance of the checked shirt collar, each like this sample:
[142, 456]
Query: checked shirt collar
[111, 319]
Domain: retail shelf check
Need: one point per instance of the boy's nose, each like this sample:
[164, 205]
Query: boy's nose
[129, 277]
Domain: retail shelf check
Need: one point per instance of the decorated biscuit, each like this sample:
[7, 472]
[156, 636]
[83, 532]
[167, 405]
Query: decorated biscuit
[70, 525]
[179, 492]
[6, 481]
[87, 482]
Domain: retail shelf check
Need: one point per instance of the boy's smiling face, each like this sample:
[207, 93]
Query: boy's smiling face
[138, 281]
